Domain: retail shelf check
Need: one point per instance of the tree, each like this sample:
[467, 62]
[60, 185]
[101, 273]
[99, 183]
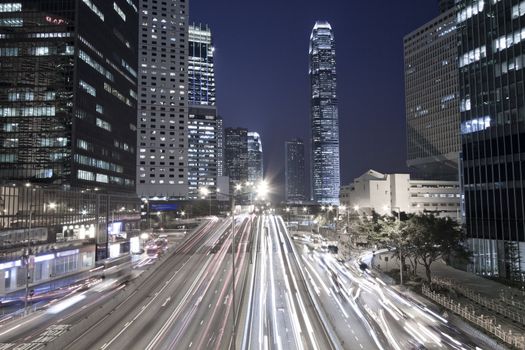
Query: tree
[433, 238]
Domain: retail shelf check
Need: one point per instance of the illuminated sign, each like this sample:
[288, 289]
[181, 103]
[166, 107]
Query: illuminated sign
[163, 207]
[55, 20]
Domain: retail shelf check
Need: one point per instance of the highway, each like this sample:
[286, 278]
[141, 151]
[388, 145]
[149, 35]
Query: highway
[368, 314]
[168, 309]
[279, 313]
[160, 310]
[288, 295]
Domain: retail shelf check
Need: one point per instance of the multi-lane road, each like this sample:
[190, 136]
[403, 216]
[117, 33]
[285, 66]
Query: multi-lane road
[287, 295]
[279, 311]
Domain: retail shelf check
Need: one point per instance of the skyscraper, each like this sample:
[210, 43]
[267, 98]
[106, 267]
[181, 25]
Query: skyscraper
[69, 94]
[236, 155]
[324, 116]
[432, 99]
[163, 107]
[492, 92]
[203, 123]
[255, 157]
[201, 71]
[202, 151]
[220, 147]
[295, 174]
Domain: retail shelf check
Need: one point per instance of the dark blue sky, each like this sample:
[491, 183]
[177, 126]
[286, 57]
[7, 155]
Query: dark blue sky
[262, 73]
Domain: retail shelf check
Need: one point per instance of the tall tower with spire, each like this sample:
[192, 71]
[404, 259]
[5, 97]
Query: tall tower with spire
[324, 116]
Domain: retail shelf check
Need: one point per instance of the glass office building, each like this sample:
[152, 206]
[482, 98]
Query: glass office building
[68, 92]
[324, 116]
[201, 71]
[255, 157]
[204, 126]
[236, 156]
[492, 92]
[295, 174]
[432, 99]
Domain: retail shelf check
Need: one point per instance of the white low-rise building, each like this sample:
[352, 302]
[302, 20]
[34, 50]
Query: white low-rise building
[385, 193]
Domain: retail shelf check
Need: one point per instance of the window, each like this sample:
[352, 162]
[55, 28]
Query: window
[93, 8]
[8, 51]
[11, 22]
[119, 11]
[85, 175]
[103, 124]
[88, 88]
[11, 7]
[8, 158]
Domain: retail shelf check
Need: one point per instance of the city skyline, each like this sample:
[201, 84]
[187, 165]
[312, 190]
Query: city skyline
[276, 175]
[290, 105]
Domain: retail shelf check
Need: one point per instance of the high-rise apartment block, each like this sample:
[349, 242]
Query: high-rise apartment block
[492, 104]
[162, 163]
[295, 175]
[432, 99]
[324, 115]
[255, 158]
[69, 93]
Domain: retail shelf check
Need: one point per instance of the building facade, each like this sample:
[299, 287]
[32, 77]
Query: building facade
[201, 70]
[387, 193]
[432, 99]
[68, 93]
[162, 141]
[492, 92]
[236, 156]
[255, 158]
[62, 231]
[220, 146]
[204, 126]
[295, 174]
[202, 151]
[324, 116]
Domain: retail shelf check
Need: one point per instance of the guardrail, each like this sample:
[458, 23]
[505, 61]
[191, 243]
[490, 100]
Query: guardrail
[485, 322]
[493, 304]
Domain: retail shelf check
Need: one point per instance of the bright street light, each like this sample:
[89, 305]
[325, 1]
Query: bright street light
[262, 189]
[204, 191]
[52, 205]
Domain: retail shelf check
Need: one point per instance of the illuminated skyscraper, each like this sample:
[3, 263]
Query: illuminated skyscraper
[255, 157]
[492, 105]
[324, 116]
[69, 94]
[203, 123]
[201, 72]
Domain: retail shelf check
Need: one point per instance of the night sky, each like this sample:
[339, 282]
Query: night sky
[262, 73]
